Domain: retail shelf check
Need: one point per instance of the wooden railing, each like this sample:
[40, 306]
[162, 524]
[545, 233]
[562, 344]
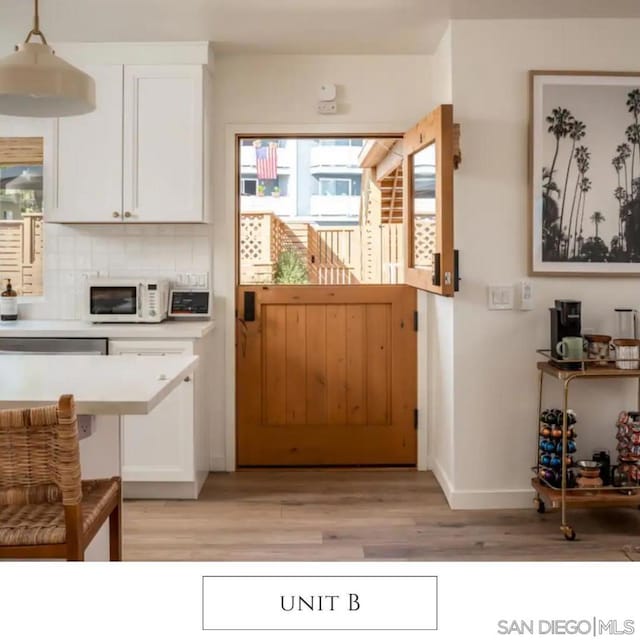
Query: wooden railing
[334, 255]
[348, 254]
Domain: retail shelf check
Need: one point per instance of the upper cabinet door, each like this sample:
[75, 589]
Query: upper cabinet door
[84, 158]
[163, 143]
[428, 202]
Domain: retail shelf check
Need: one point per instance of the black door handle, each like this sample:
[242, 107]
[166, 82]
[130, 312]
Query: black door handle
[435, 274]
[249, 306]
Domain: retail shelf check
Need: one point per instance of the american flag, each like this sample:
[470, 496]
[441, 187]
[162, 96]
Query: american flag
[267, 162]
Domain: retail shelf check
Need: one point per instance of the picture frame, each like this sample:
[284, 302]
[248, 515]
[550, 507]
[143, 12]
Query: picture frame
[584, 173]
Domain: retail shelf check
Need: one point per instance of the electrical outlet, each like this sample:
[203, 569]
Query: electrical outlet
[86, 426]
[524, 295]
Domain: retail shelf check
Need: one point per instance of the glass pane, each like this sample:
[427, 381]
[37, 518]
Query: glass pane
[311, 214]
[21, 215]
[424, 207]
[113, 300]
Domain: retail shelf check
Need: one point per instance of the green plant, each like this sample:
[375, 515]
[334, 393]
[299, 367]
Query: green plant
[290, 269]
[260, 189]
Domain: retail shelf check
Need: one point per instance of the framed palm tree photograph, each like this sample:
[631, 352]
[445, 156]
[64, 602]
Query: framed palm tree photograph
[584, 173]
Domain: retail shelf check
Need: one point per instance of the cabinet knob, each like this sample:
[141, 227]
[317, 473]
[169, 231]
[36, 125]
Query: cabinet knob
[187, 379]
[127, 214]
[116, 214]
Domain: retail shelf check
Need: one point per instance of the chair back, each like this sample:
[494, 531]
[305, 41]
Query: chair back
[40, 455]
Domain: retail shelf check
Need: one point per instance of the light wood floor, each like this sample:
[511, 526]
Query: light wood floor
[308, 515]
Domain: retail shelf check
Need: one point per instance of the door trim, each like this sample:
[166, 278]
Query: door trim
[225, 278]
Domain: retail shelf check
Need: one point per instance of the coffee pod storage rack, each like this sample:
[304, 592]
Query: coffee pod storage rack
[558, 491]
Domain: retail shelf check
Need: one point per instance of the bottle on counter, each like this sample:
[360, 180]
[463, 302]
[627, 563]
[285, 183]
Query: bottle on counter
[9, 303]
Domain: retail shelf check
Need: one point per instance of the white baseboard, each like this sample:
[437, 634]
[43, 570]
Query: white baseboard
[160, 490]
[508, 499]
[482, 499]
[443, 480]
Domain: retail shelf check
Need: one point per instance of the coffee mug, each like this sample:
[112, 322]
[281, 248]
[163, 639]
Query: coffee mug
[571, 347]
[598, 349]
[627, 353]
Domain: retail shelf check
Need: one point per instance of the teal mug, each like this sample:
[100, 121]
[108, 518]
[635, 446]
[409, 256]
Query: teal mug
[572, 348]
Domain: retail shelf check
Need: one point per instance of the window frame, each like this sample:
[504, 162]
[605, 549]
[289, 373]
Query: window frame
[435, 128]
[349, 181]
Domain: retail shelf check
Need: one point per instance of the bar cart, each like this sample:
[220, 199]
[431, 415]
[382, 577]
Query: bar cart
[549, 496]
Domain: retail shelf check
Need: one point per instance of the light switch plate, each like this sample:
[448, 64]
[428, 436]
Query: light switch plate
[198, 280]
[500, 297]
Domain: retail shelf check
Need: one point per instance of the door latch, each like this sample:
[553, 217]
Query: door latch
[435, 276]
[249, 306]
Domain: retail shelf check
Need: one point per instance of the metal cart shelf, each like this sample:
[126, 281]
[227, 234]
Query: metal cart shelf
[551, 497]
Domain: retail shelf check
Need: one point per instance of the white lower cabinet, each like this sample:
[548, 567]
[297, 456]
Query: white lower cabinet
[158, 457]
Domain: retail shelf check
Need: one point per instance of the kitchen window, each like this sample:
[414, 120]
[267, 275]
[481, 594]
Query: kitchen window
[21, 227]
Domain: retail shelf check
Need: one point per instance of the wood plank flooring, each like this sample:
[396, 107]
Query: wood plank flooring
[307, 515]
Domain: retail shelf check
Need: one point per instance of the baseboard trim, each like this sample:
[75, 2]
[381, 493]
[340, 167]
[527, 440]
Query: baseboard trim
[508, 499]
[484, 499]
[443, 480]
[160, 490]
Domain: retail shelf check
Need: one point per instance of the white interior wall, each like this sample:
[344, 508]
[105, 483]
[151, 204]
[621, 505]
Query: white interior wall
[439, 338]
[494, 351]
[278, 94]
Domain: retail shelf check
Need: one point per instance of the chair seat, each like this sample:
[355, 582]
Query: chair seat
[33, 524]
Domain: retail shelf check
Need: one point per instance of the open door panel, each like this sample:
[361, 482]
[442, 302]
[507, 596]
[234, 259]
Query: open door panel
[428, 166]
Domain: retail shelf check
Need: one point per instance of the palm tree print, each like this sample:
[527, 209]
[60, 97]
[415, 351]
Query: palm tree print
[633, 132]
[582, 156]
[560, 123]
[565, 201]
[597, 218]
[577, 131]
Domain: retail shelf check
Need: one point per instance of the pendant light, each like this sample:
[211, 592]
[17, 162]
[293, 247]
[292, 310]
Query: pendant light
[34, 82]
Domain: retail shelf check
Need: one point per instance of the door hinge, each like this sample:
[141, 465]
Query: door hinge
[415, 419]
[415, 320]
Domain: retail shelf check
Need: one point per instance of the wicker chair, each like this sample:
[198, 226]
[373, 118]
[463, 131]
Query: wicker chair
[46, 510]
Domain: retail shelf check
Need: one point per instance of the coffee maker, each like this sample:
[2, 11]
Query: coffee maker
[565, 322]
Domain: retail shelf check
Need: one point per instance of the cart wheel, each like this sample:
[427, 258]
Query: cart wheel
[539, 504]
[568, 532]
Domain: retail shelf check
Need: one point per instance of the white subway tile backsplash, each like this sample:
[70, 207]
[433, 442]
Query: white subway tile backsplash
[66, 260]
[117, 250]
[200, 246]
[67, 245]
[83, 261]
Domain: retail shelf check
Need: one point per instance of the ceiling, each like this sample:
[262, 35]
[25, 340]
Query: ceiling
[283, 26]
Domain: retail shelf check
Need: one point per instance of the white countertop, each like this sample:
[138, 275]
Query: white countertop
[169, 329]
[100, 385]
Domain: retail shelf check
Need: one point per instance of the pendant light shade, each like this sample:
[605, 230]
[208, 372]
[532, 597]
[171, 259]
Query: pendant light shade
[34, 82]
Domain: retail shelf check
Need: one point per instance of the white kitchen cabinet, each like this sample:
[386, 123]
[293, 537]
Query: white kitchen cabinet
[139, 157]
[163, 143]
[158, 448]
[84, 158]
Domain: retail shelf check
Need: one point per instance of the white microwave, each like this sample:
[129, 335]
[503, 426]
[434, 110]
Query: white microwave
[126, 300]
